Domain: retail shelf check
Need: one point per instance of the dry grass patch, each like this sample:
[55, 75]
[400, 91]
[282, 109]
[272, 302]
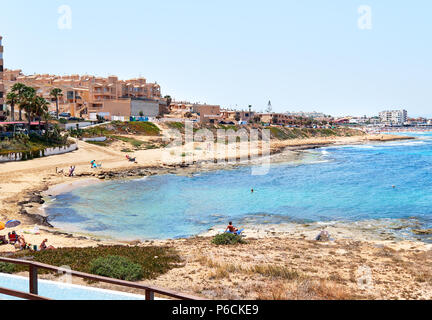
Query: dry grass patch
[275, 271]
[304, 290]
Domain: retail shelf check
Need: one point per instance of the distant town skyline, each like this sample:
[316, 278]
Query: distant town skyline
[303, 56]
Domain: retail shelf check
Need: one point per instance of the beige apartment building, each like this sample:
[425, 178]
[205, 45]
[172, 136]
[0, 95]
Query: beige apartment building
[207, 113]
[276, 118]
[237, 116]
[85, 95]
[203, 113]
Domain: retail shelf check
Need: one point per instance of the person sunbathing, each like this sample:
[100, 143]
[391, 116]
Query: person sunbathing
[131, 159]
[43, 246]
[22, 243]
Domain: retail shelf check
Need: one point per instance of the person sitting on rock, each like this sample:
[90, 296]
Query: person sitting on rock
[323, 236]
[231, 228]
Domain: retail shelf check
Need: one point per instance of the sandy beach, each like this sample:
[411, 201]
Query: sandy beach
[23, 184]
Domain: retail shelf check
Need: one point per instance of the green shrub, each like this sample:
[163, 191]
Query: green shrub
[134, 142]
[153, 260]
[7, 267]
[117, 267]
[176, 125]
[228, 239]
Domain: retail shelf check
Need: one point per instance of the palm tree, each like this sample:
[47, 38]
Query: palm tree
[19, 89]
[12, 99]
[46, 117]
[28, 103]
[56, 93]
[40, 109]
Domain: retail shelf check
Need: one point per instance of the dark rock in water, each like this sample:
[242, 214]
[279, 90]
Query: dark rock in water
[422, 231]
[37, 199]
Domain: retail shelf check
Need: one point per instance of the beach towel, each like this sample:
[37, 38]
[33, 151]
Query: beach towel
[237, 232]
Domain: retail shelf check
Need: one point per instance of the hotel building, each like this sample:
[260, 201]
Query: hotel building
[394, 117]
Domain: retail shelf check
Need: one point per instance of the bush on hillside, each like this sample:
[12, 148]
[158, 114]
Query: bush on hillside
[7, 267]
[228, 239]
[117, 267]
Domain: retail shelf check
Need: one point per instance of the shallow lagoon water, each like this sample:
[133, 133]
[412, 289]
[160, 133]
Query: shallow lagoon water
[337, 183]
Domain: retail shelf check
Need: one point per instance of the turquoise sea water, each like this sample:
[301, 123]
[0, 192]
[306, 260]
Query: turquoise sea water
[339, 183]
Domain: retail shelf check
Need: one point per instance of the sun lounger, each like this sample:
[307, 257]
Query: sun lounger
[13, 238]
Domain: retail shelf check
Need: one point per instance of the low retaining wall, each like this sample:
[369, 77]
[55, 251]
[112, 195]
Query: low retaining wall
[21, 156]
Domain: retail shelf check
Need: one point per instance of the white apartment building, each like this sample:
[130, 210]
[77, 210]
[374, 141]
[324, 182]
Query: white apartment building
[394, 117]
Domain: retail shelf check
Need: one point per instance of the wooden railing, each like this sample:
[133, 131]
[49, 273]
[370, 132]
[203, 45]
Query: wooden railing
[33, 282]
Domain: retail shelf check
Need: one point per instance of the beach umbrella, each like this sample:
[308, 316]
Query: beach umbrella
[2, 226]
[12, 223]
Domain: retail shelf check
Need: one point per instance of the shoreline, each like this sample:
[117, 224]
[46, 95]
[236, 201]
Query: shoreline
[30, 202]
[324, 270]
[287, 153]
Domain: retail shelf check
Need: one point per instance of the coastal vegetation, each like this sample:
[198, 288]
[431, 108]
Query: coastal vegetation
[129, 263]
[228, 239]
[276, 132]
[123, 132]
[282, 133]
[30, 142]
[118, 128]
[117, 267]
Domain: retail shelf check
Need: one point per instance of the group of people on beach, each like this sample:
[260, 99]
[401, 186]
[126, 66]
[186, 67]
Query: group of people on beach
[20, 243]
[71, 171]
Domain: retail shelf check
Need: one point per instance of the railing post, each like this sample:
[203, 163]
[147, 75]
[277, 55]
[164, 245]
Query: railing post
[149, 294]
[33, 279]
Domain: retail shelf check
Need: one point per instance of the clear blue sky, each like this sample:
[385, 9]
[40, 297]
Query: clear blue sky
[302, 55]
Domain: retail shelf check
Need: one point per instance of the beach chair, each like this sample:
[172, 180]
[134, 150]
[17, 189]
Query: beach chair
[13, 238]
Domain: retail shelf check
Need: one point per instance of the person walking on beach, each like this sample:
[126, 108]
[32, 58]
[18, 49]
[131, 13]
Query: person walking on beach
[71, 171]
